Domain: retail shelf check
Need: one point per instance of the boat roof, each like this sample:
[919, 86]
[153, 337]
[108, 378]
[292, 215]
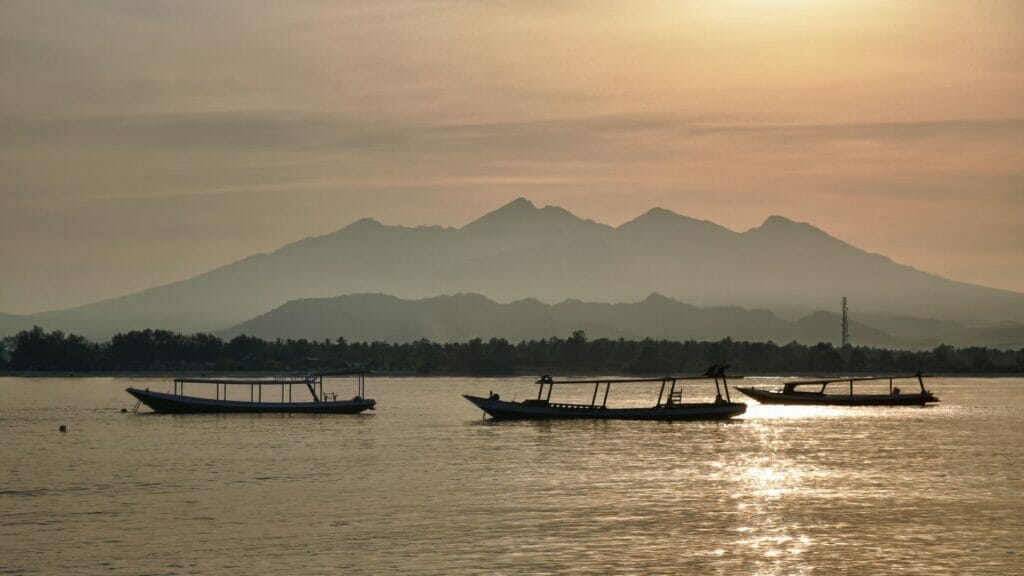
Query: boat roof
[296, 379]
[854, 379]
[353, 372]
[550, 380]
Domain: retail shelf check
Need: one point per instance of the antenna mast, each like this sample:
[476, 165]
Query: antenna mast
[846, 325]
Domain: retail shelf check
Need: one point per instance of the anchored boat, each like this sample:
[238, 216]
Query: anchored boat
[667, 407]
[816, 392]
[262, 395]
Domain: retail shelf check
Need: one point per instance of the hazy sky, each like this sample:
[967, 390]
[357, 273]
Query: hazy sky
[143, 142]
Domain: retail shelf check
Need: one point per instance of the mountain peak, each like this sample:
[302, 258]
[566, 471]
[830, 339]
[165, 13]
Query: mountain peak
[520, 203]
[780, 225]
[658, 301]
[780, 230]
[365, 223]
[777, 220]
[658, 214]
[657, 298]
[659, 221]
[516, 208]
[520, 211]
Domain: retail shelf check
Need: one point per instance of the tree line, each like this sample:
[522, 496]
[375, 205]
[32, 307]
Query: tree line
[162, 350]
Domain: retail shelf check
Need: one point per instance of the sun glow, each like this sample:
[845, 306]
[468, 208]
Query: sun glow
[777, 411]
[792, 10]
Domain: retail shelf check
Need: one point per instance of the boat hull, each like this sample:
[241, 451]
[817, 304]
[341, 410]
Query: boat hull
[816, 399]
[504, 410]
[163, 403]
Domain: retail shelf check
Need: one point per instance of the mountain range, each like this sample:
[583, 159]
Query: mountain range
[524, 253]
[461, 317]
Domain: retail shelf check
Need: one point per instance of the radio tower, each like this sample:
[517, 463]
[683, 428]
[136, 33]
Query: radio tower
[846, 325]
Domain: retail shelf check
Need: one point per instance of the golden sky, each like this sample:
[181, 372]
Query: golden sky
[142, 142]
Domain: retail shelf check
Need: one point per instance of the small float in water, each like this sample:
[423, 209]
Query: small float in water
[264, 395]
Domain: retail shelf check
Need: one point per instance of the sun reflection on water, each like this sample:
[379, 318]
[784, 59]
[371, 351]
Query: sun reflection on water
[773, 474]
[771, 482]
[779, 411]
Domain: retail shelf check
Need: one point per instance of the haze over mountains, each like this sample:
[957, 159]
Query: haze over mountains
[523, 252]
[461, 317]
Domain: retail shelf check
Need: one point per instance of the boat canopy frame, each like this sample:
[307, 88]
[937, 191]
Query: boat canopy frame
[789, 387]
[313, 382]
[716, 373]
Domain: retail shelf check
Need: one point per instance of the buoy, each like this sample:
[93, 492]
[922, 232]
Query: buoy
[63, 428]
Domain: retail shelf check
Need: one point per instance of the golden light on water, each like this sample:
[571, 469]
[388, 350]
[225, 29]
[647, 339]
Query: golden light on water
[775, 411]
[767, 479]
[432, 488]
[771, 480]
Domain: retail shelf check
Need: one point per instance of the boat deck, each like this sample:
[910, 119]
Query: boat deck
[505, 410]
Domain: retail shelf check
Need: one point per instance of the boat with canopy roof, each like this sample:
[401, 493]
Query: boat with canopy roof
[816, 392]
[265, 395]
[668, 406]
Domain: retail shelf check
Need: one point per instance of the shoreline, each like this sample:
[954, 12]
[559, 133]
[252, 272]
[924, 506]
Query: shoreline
[522, 374]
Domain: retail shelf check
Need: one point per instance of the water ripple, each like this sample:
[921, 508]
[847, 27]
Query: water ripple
[424, 486]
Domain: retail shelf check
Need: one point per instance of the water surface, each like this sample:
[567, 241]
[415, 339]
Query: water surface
[424, 485]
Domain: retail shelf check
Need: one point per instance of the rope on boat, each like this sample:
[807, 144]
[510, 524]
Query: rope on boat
[136, 407]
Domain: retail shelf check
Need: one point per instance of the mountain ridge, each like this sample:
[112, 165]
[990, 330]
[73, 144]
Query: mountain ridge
[521, 251]
[461, 317]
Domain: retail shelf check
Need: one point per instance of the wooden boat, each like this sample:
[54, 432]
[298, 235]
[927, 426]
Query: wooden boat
[818, 395]
[323, 402]
[672, 408]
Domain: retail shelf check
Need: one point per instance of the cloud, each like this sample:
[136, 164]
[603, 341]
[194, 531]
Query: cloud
[188, 154]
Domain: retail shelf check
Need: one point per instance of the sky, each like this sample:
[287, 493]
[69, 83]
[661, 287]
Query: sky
[146, 142]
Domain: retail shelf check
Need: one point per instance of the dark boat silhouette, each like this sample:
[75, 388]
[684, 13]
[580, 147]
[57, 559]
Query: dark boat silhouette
[672, 408]
[790, 393]
[322, 403]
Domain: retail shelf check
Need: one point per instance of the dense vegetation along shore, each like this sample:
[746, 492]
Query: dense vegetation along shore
[37, 350]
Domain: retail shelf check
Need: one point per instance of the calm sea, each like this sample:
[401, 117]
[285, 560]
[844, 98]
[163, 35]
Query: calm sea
[425, 486]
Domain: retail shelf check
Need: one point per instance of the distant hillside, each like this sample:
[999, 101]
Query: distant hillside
[12, 323]
[372, 317]
[521, 251]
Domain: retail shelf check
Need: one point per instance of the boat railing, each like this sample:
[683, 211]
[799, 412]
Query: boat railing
[572, 406]
[313, 382]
